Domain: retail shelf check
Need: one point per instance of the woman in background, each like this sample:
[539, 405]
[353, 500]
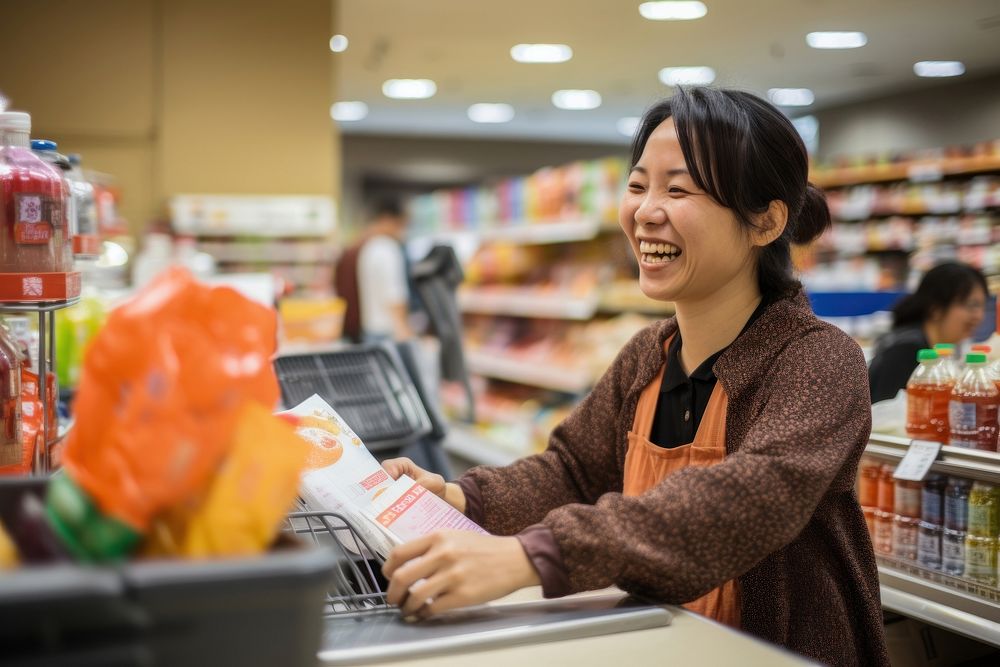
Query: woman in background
[947, 307]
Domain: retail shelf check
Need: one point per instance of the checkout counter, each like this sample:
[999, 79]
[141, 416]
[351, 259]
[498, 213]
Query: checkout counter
[668, 634]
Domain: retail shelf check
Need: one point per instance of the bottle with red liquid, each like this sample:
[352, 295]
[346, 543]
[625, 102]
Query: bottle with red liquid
[972, 412]
[884, 514]
[33, 228]
[11, 446]
[868, 475]
[928, 393]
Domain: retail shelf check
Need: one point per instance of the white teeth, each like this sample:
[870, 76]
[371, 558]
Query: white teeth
[658, 259]
[647, 248]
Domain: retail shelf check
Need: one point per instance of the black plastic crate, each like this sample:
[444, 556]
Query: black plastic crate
[367, 385]
[262, 611]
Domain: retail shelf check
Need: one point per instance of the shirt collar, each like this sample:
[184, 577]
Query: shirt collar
[674, 376]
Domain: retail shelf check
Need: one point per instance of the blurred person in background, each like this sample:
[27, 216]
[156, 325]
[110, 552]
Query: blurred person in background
[714, 463]
[947, 307]
[371, 276]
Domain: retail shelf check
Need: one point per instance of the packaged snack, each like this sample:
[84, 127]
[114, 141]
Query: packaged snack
[8, 552]
[248, 498]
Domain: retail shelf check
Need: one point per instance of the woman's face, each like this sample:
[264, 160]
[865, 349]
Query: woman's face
[688, 246]
[962, 317]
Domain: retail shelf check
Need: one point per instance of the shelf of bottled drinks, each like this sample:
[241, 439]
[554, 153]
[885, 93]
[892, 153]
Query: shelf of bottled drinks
[936, 541]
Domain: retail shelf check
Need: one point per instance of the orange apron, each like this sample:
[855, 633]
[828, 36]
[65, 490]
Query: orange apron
[646, 465]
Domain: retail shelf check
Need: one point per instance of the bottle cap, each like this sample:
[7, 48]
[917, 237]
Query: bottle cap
[15, 121]
[975, 358]
[43, 145]
[944, 346]
[87, 534]
[927, 355]
[945, 352]
[979, 347]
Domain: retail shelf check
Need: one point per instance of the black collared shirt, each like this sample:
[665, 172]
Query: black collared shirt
[683, 399]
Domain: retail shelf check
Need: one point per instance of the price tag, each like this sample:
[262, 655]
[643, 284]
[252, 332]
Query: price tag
[917, 461]
[925, 173]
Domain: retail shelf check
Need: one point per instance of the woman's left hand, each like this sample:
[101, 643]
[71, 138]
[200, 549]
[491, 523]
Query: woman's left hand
[454, 568]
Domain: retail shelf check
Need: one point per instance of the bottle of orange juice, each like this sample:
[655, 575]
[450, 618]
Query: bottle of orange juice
[928, 393]
[975, 401]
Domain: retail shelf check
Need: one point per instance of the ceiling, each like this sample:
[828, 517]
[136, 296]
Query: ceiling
[464, 46]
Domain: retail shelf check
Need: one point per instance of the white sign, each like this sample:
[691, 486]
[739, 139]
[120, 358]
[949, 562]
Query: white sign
[917, 461]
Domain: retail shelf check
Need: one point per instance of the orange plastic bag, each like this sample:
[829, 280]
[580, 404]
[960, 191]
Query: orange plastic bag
[160, 390]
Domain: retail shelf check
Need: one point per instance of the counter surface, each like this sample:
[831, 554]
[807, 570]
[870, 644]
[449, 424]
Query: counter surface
[689, 640]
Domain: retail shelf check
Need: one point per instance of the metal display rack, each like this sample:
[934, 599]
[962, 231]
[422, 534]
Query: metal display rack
[953, 603]
[46, 364]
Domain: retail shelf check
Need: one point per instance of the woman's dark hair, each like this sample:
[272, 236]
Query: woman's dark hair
[744, 153]
[940, 287]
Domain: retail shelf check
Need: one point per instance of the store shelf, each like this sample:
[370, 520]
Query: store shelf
[946, 602]
[864, 216]
[952, 603]
[572, 380]
[287, 216]
[466, 443]
[527, 233]
[969, 463]
[526, 302]
[271, 251]
[916, 171]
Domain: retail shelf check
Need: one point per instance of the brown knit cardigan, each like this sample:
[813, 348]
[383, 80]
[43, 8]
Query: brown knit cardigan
[779, 513]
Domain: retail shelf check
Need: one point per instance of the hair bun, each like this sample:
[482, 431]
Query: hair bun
[814, 218]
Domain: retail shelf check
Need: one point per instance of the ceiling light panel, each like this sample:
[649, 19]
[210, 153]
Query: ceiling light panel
[791, 97]
[576, 100]
[687, 76]
[672, 11]
[938, 68]
[409, 89]
[491, 113]
[346, 112]
[836, 40]
[541, 53]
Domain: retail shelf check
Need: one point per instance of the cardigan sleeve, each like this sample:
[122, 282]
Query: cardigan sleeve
[703, 526]
[580, 464]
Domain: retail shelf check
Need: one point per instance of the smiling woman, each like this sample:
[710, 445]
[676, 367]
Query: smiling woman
[713, 465]
[752, 176]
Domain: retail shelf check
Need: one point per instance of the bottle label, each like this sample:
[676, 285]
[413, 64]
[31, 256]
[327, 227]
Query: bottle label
[35, 216]
[962, 417]
[981, 560]
[953, 548]
[956, 514]
[920, 409]
[930, 506]
[929, 548]
[982, 519]
[907, 501]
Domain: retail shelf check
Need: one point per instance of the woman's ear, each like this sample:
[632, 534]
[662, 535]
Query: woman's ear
[770, 224]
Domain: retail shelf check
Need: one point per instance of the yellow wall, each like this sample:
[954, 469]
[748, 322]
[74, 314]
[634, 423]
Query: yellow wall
[174, 96]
